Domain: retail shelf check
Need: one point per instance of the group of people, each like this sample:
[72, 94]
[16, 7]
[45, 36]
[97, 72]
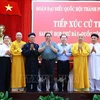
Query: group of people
[19, 63]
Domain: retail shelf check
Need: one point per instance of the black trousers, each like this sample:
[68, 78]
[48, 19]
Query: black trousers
[31, 82]
[47, 70]
[63, 69]
[31, 70]
[5, 73]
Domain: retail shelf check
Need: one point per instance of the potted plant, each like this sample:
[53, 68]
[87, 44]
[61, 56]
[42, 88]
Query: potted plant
[4, 96]
[96, 97]
[51, 97]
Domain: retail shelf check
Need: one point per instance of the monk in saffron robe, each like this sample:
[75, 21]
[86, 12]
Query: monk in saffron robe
[18, 69]
[80, 51]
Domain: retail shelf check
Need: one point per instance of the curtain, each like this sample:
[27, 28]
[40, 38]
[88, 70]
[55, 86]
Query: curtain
[15, 23]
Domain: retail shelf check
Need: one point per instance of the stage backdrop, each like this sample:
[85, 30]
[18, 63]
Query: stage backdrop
[70, 18]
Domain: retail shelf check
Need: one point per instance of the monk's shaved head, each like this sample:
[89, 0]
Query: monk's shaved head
[18, 36]
[80, 37]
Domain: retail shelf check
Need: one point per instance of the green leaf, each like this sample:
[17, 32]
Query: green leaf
[56, 98]
[1, 95]
[5, 96]
[52, 95]
[41, 98]
[60, 98]
[96, 97]
[99, 97]
[52, 99]
[67, 99]
[48, 98]
[10, 99]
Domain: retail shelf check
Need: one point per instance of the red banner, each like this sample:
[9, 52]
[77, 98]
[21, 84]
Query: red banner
[70, 18]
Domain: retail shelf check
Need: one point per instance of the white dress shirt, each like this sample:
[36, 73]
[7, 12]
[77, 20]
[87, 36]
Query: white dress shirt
[60, 55]
[3, 49]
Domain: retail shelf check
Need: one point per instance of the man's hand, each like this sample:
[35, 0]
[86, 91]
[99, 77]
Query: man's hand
[80, 47]
[8, 52]
[64, 52]
[51, 46]
[31, 47]
[48, 43]
[93, 50]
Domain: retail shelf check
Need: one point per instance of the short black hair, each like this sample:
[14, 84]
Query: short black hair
[5, 36]
[31, 34]
[47, 33]
[94, 34]
[63, 35]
